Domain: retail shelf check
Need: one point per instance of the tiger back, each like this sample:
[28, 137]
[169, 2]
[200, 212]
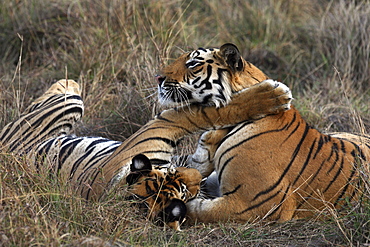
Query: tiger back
[277, 167]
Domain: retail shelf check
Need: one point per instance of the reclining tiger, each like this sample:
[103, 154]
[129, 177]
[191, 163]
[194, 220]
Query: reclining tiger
[96, 165]
[276, 168]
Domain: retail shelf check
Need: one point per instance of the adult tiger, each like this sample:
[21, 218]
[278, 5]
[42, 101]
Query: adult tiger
[277, 167]
[95, 165]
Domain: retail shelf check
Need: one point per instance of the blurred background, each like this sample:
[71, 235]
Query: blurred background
[114, 48]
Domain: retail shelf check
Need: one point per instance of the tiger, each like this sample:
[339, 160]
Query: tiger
[275, 168]
[139, 166]
[177, 186]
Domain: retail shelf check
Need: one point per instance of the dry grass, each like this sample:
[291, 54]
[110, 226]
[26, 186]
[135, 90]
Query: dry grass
[39, 210]
[320, 49]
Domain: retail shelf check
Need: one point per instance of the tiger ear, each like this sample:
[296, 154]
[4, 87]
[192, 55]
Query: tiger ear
[174, 214]
[232, 57]
[140, 162]
[140, 166]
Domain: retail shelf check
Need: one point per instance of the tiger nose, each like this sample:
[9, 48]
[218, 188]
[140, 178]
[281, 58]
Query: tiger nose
[160, 79]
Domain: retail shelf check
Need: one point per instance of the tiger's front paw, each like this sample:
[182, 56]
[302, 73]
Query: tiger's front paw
[269, 97]
[282, 93]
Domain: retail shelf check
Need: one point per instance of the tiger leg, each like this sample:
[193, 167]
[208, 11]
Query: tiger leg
[53, 114]
[202, 159]
[69, 155]
[238, 207]
[220, 209]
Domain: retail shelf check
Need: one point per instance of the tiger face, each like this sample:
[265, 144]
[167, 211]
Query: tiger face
[206, 76]
[163, 190]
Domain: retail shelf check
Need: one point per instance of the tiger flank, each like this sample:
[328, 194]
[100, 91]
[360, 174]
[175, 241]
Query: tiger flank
[277, 167]
[95, 165]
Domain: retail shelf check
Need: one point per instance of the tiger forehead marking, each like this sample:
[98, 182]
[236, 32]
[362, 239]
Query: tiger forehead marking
[195, 77]
[201, 56]
[164, 181]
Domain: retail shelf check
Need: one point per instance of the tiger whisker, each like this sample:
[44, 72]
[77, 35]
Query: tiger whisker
[185, 101]
[149, 89]
[150, 95]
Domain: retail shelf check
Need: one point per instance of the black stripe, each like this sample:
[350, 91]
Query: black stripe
[342, 146]
[69, 111]
[165, 140]
[39, 122]
[292, 121]
[312, 179]
[319, 146]
[196, 79]
[280, 203]
[95, 160]
[246, 140]
[144, 132]
[155, 183]
[259, 204]
[232, 191]
[292, 132]
[78, 162]
[234, 131]
[52, 101]
[67, 150]
[159, 117]
[295, 154]
[101, 153]
[305, 163]
[223, 168]
[220, 77]
[359, 151]
[58, 127]
[336, 175]
[66, 139]
[330, 155]
[346, 188]
[156, 151]
[42, 152]
[334, 150]
[24, 122]
[92, 181]
[159, 161]
[96, 142]
[5, 132]
[46, 147]
[255, 78]
[175, 185]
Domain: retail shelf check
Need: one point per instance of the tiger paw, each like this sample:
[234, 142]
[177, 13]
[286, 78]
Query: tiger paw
[269, 97]
[281, 92]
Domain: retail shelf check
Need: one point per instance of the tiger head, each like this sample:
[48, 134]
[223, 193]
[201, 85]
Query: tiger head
[163, 190]
[207, 76]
